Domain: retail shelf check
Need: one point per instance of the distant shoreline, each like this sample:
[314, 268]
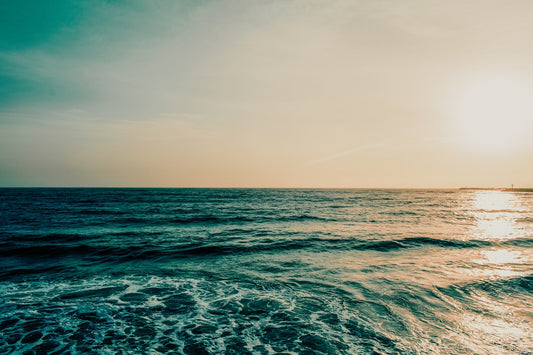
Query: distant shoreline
[525, 189]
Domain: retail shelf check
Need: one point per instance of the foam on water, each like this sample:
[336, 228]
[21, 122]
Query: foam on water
[161, 314]
[187, 316]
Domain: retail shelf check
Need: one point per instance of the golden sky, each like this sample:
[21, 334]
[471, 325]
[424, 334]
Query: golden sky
[267, 93]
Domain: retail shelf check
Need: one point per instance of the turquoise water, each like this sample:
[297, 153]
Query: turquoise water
[236, 271]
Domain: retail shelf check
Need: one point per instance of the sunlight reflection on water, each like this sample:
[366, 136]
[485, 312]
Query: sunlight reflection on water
[503, 256]
[496, 218]
[464, 284]
[496, 214]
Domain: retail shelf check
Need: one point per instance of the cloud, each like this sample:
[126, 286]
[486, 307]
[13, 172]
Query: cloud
[240, 58]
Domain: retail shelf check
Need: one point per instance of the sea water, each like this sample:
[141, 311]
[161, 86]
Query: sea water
[262, 271]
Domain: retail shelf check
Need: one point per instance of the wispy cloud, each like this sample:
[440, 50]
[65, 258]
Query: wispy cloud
[348, 152]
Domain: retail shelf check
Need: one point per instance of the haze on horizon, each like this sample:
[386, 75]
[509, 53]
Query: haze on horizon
[292, 93]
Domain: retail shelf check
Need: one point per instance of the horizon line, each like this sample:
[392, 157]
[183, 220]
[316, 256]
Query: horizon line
[267, 187]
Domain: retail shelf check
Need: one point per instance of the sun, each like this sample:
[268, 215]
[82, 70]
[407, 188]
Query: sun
[493, 113]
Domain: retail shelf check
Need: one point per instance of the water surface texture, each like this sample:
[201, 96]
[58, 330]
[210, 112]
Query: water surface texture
[237, 271]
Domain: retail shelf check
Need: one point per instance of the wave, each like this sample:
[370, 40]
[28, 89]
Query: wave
[501, 211]
[525, 220]
[521, 286]
[30, 271]
[218, 219]
[46, 249]
[100, 212]
[50, 238]
[519, 242]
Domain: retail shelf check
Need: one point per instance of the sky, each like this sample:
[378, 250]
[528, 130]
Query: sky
[292, 93]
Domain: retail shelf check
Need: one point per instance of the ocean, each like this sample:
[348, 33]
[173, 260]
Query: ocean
[265, 271]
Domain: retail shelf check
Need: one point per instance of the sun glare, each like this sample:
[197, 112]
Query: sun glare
[494, 114]
[496, 213]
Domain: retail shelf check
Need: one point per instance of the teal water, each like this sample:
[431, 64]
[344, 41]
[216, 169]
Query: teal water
[263, 271]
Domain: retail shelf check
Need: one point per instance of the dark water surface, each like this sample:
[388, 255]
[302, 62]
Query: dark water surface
[239, 271]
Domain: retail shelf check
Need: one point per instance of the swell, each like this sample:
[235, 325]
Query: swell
[525, 220]
[121, 251]
[101, 212]
[46, 251]
[29, 270]
[519, 242]
[46, 238]
[119, 218]
[221, 219]
[517, 286]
